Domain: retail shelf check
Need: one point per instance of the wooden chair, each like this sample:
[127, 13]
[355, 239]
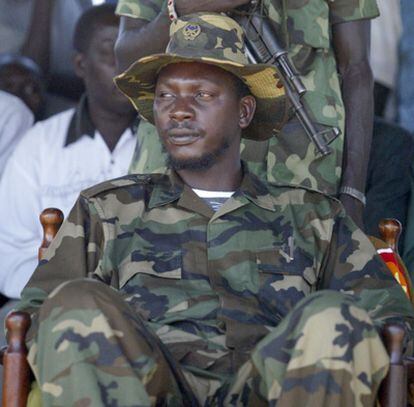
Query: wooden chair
[16, 370]
[397, 389]
[387, 248]
[17, 376]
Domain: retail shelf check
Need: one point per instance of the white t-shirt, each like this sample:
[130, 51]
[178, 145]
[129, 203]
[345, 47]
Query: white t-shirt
[15, 120]
[41, 173]
[214, 199]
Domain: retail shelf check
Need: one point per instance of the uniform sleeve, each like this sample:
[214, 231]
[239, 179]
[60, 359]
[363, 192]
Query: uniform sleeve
[342, 11]
[74, 253]
[142, 9]
[352, 266]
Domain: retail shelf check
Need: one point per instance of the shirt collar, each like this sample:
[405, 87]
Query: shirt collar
[171, 188]
[81, 123]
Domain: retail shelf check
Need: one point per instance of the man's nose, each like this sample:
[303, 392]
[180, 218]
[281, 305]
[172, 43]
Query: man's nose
[182, 110]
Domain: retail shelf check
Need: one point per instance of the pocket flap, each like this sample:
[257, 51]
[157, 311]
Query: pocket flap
[161, 265]
[277, 261]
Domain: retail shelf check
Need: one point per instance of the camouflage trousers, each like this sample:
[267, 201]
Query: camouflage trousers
[91, 349]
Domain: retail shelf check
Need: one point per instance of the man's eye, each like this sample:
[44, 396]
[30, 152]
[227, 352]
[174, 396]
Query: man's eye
[165, 95]
[204, 95]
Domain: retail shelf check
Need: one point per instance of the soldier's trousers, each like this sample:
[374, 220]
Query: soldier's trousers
[91, 349]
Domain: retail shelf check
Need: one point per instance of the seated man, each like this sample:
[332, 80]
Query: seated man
[207, 285]
[68, 152]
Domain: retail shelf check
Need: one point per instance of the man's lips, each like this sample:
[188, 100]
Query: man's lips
[181, 137]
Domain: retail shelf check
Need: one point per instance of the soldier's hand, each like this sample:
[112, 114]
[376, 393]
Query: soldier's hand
[184, 7]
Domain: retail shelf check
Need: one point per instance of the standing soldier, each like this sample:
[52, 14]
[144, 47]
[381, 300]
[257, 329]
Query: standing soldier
[328, 42]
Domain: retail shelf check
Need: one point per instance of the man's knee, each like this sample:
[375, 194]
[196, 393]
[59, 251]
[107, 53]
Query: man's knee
[79, 292]
[328, 302]
[327, 341]
[322, 321]
[331, 314]
[81, 295]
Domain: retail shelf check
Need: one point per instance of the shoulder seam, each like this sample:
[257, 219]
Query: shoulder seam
[301, 187]
[123, 181]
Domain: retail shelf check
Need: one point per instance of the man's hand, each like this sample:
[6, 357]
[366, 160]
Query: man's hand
[194, 6]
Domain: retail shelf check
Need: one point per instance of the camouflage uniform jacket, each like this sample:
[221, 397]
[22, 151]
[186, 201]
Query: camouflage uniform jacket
[305, 28]
[214, 283]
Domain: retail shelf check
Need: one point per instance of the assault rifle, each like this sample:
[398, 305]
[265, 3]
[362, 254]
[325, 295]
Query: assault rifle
[263, 46]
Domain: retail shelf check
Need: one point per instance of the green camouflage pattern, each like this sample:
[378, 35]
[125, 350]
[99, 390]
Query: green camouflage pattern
[305, 26]
[217, 40]
[183, 290]
[99, 352]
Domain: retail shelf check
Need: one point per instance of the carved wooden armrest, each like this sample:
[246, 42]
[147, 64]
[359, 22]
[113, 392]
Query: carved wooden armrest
[16, 378]
[393, 390]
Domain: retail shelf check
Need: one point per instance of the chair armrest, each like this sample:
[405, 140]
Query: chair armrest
[393, 390]
[16, 374]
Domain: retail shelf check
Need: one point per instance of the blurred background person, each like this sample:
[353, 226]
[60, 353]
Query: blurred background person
[66, 153]
[42, 30]
[406, 77]
[23, 78]
[389, 176]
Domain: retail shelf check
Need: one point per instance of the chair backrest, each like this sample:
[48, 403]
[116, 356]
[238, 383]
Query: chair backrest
[387, 248]
[51, 220]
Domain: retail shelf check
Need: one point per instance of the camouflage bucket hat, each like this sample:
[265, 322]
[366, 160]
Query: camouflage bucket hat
[214, 39]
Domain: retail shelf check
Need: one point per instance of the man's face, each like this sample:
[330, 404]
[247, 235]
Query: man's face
[21, 82]
[97, 68]
[197, 112]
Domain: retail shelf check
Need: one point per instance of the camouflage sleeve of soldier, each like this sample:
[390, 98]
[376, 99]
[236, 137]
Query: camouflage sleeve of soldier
[73, 254]
[352, 265]
[143, 9]
[350, 10]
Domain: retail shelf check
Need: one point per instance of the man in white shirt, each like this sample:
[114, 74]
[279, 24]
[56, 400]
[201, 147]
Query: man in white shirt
[66, 153]
[15, 120]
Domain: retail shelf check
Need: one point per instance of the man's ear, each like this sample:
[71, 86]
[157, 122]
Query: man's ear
[247, 110]
[79, 65]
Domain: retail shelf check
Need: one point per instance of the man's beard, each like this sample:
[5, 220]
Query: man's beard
[202, 163]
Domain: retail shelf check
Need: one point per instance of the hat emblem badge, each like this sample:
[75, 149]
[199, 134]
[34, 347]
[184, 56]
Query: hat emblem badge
[191, 31]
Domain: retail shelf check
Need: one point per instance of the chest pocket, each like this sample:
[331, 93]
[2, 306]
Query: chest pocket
[284, 280]
[152, 263]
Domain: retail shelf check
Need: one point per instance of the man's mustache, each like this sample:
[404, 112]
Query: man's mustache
[181, 126]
